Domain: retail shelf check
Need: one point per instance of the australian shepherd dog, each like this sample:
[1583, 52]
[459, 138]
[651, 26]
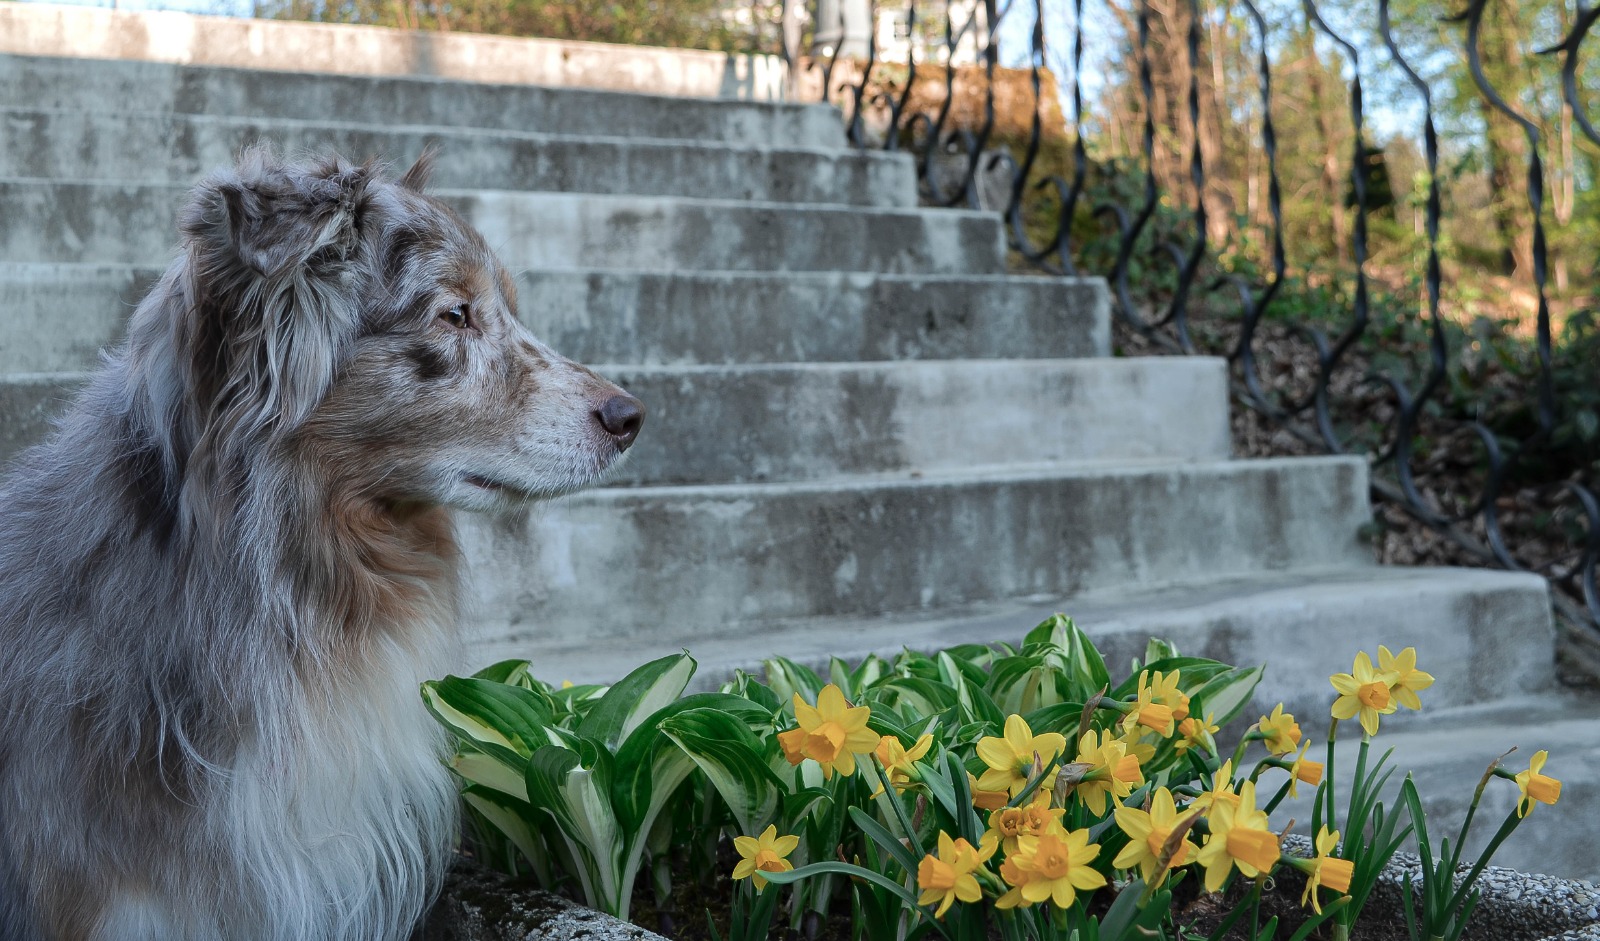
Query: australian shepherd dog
[225, 574]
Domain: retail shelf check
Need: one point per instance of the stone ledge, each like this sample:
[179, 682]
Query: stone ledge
[166, 36]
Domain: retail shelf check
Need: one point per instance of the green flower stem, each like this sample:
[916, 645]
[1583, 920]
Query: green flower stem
[1506, 828]
[1325, 807]
[1472, 809]
[888, 796]
[1238, 753]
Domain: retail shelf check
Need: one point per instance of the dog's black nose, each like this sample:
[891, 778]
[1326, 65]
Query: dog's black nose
[621, 416]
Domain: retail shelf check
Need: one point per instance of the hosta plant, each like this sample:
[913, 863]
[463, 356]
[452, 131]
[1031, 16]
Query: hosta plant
[981, 790]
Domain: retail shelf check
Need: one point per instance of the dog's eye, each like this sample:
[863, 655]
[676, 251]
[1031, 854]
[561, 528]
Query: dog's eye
[459, 316]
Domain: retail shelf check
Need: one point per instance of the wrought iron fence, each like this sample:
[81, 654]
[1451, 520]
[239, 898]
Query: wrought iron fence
[1469, 512]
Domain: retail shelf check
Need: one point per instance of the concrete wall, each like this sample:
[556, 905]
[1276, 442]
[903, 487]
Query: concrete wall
[160, 36]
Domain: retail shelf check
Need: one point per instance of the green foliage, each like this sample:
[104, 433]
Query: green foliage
[953, 793]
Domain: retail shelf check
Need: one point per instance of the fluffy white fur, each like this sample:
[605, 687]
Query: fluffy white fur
[225, 574]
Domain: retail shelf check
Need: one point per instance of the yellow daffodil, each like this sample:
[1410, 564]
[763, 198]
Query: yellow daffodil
[1279, 732]
[1304, 770]
[763, 854]
[1408, 680]
[1536, 786]
[1240, 836]
[1221, 790]
[948, 876]
[831, 733]
[1011, 759]
[1137, 747]
[1164, 689]
[1148, 832]
[1363, 692]
[1054, 867]
[1326, 871]
[1145, 712]
[899, 762]
[1011, 824]
[986, 800]
[1111, 771]
[1195, 732]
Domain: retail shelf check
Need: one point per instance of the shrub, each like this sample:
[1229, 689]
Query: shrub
[978, 791]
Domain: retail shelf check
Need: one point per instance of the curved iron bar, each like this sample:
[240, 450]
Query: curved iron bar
[1130, 228]
[1080, 152]
[897, 106]
[1584, 571]
[934, 142]
[1358, 241]
[1500, 464]
[855, 132]
[1020, 172]
[1244, 352]
[976, 143]
[1178, 309]
[1408, 419]
[1569, 67]
[1535, 191]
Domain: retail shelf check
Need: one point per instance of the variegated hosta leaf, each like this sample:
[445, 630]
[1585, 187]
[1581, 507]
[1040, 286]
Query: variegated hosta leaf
[1194, 672]
[510, 817]
[633, 698]
[723, 747]
[575, 789]
[499, 719]
[509, 672]
[787, 678]
[490, 772]
[1226, 694]
[1065, 646]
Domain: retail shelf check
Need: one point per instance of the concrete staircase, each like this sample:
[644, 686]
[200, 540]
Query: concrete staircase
[864, 433]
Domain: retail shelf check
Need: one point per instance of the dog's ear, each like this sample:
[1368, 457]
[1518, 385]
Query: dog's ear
[273, 217]
[416, 178]
[272, 283]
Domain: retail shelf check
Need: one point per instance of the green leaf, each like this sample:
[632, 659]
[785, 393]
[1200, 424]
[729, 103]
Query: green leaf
[649, 766]
[635, 697]
[845, 869]
[1062, 642]
[748, 687]
[511, 817]
[1194, 672]
[574, 788]
[500, 719]
[1062, 718]
[881, 836]
[1226, 694]
[734, 761]
[483, 769]
[509, 672]
[787, 678]
[976, 706]
[839, 675]
[920, 698]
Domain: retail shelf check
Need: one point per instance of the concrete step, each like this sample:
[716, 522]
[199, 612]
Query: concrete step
[161, 147]
[166, 36]
[54, 221]
[742, 424]
[1305, 625]
[653, 318]
[627, 565]
[1446, 750]
[94, 86]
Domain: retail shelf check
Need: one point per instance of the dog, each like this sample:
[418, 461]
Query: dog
[224, 575]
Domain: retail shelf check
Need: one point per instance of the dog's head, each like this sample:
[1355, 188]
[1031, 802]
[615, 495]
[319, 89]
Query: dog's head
[337, 316]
